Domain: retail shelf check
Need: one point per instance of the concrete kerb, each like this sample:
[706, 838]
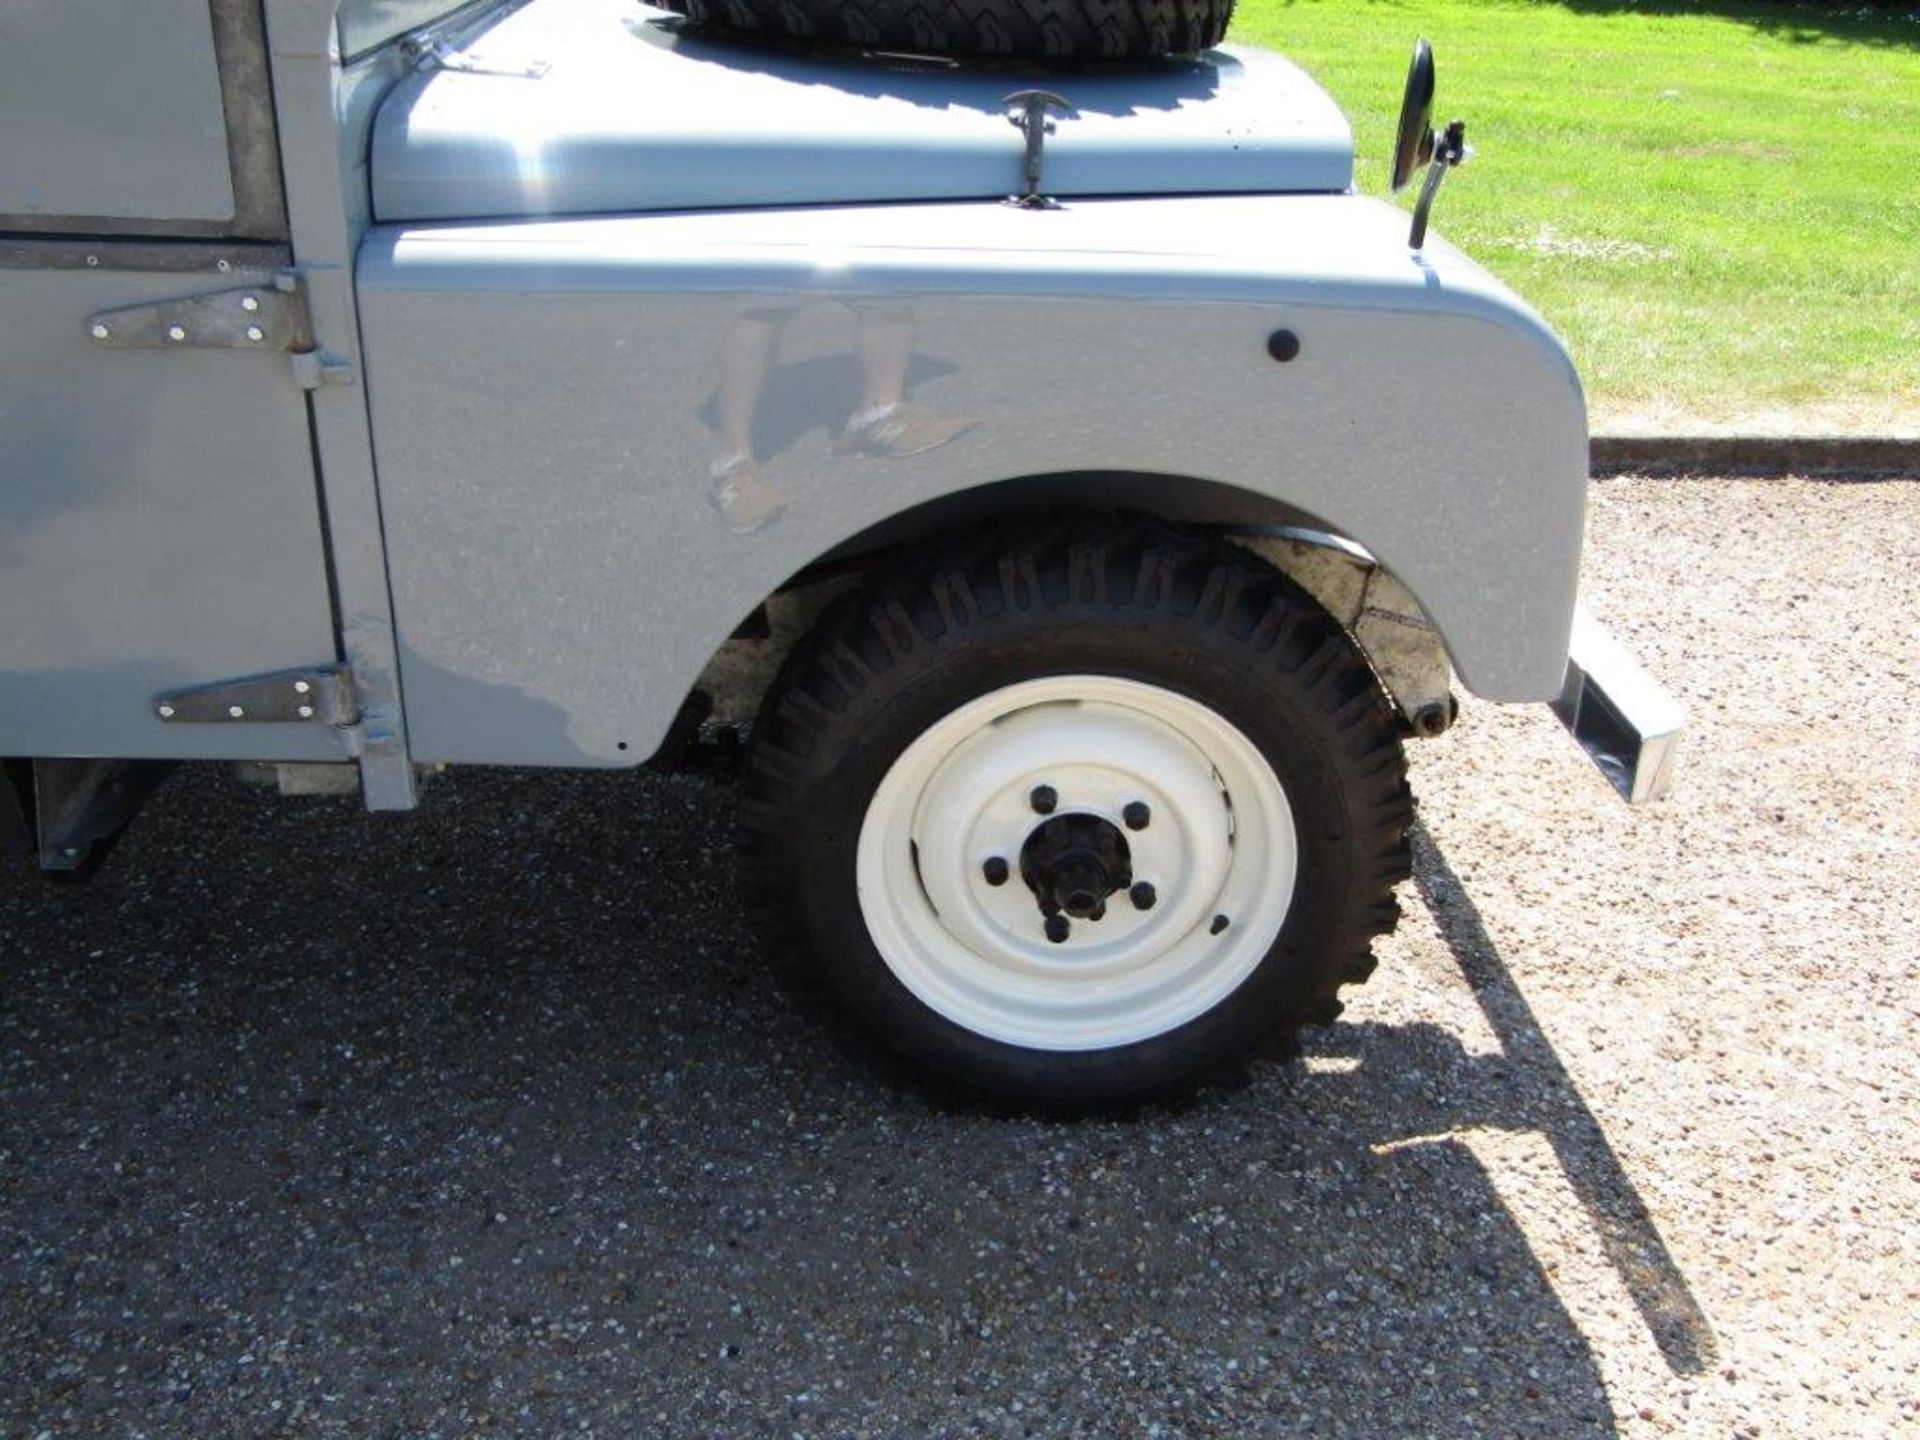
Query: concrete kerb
[1875, 457]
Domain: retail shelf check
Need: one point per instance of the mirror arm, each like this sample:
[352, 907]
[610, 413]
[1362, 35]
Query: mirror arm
[1451, 150]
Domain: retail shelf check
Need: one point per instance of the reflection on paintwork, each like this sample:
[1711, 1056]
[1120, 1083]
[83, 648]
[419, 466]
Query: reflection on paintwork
[880, 420]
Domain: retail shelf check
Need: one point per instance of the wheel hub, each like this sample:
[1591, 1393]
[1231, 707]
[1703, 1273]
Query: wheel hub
[1072, 863]
[1134, 818]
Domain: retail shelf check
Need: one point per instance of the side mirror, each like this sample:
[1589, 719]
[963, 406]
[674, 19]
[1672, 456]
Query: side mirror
[1414, 146]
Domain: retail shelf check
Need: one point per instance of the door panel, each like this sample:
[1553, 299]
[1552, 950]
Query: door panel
[159, 522]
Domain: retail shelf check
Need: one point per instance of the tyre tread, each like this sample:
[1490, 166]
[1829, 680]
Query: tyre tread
[1142, 571]
[1053, 30]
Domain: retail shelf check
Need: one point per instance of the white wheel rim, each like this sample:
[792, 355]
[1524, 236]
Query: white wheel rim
[1220, 843]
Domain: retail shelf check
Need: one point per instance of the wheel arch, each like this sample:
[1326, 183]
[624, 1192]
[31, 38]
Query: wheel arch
[1175, 498]
[1409, 652]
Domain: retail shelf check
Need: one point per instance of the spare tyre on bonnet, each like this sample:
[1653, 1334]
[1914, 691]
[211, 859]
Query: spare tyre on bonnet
[1011, 29]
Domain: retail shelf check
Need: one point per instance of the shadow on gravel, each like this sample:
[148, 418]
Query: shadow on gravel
[487, 1122]
[1627, 1232]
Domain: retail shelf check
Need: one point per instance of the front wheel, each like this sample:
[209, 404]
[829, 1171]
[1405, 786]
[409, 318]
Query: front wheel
[1084, 817]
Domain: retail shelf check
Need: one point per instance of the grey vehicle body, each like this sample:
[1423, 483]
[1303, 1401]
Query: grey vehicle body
[452, 497]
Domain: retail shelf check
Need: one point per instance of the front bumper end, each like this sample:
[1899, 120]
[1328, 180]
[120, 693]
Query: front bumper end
[1622, 717]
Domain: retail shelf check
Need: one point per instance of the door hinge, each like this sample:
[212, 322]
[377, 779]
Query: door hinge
[271, 317]
[316, 695]
[314, 368]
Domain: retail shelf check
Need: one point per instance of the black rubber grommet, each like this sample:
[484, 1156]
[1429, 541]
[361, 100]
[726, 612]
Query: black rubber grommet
[1283, 345]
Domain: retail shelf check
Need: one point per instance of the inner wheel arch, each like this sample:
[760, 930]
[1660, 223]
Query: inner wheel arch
[1332, 565]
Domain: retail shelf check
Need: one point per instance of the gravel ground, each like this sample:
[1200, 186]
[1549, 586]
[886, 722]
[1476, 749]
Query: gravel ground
[487, 1120]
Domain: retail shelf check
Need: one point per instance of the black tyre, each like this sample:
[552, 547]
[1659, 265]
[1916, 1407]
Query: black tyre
[1054, 30]
[1082, 816]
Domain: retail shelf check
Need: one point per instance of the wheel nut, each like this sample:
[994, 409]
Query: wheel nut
[1136, 815]
[1143, 895]
[1057, 928]
[1043, 799]
[995, 869]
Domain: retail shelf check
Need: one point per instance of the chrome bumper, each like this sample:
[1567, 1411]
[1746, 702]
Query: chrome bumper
[1623, 719]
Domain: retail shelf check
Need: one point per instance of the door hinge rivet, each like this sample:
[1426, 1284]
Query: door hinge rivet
[250, 304]
[254, 332]
[101, 332]
[238, 712]
[166, 711]
[176, 332]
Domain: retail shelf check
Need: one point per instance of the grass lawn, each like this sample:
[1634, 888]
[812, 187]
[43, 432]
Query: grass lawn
[1716, 203]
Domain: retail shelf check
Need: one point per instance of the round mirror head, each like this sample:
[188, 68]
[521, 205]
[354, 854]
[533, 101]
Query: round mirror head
[1414, 146]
